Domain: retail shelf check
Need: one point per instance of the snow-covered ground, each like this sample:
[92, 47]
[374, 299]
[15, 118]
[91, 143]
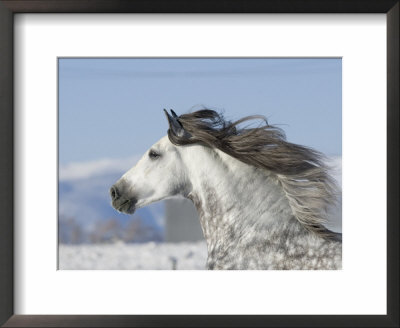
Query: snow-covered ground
[121, 256]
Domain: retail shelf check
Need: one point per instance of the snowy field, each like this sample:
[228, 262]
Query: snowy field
[121, 256]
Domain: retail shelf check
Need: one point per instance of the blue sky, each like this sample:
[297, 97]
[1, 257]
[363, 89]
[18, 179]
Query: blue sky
[112, 108]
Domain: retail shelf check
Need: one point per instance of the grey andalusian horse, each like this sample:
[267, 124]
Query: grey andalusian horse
[262, 201]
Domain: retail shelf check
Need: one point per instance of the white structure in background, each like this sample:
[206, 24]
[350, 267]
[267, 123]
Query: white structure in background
[181, 221]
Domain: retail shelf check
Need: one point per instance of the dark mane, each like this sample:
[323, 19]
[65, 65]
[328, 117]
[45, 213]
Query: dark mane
[300, 170]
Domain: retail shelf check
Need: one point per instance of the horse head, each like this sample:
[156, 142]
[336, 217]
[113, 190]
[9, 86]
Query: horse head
[159, 174]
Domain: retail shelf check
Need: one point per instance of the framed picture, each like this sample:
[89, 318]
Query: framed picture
[67, 93]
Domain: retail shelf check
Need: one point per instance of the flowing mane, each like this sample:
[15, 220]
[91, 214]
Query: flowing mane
[300, 170]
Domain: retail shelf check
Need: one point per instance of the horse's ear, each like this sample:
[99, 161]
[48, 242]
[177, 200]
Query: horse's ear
[174, 125]
[173, 114]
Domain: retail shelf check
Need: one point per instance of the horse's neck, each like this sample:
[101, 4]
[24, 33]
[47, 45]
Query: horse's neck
[238, 203]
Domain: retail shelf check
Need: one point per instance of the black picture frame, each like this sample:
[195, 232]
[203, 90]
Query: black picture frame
[10, 7]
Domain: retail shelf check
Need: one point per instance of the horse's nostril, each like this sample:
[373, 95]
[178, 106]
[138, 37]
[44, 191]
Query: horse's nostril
[114, 193]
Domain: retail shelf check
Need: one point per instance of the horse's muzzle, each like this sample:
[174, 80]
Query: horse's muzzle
[120, 202]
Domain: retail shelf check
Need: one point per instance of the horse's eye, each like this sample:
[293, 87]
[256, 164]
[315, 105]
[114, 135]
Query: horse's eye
[153, 154]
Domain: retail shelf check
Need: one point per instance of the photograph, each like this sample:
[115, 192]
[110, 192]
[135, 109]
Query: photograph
[199, 163]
